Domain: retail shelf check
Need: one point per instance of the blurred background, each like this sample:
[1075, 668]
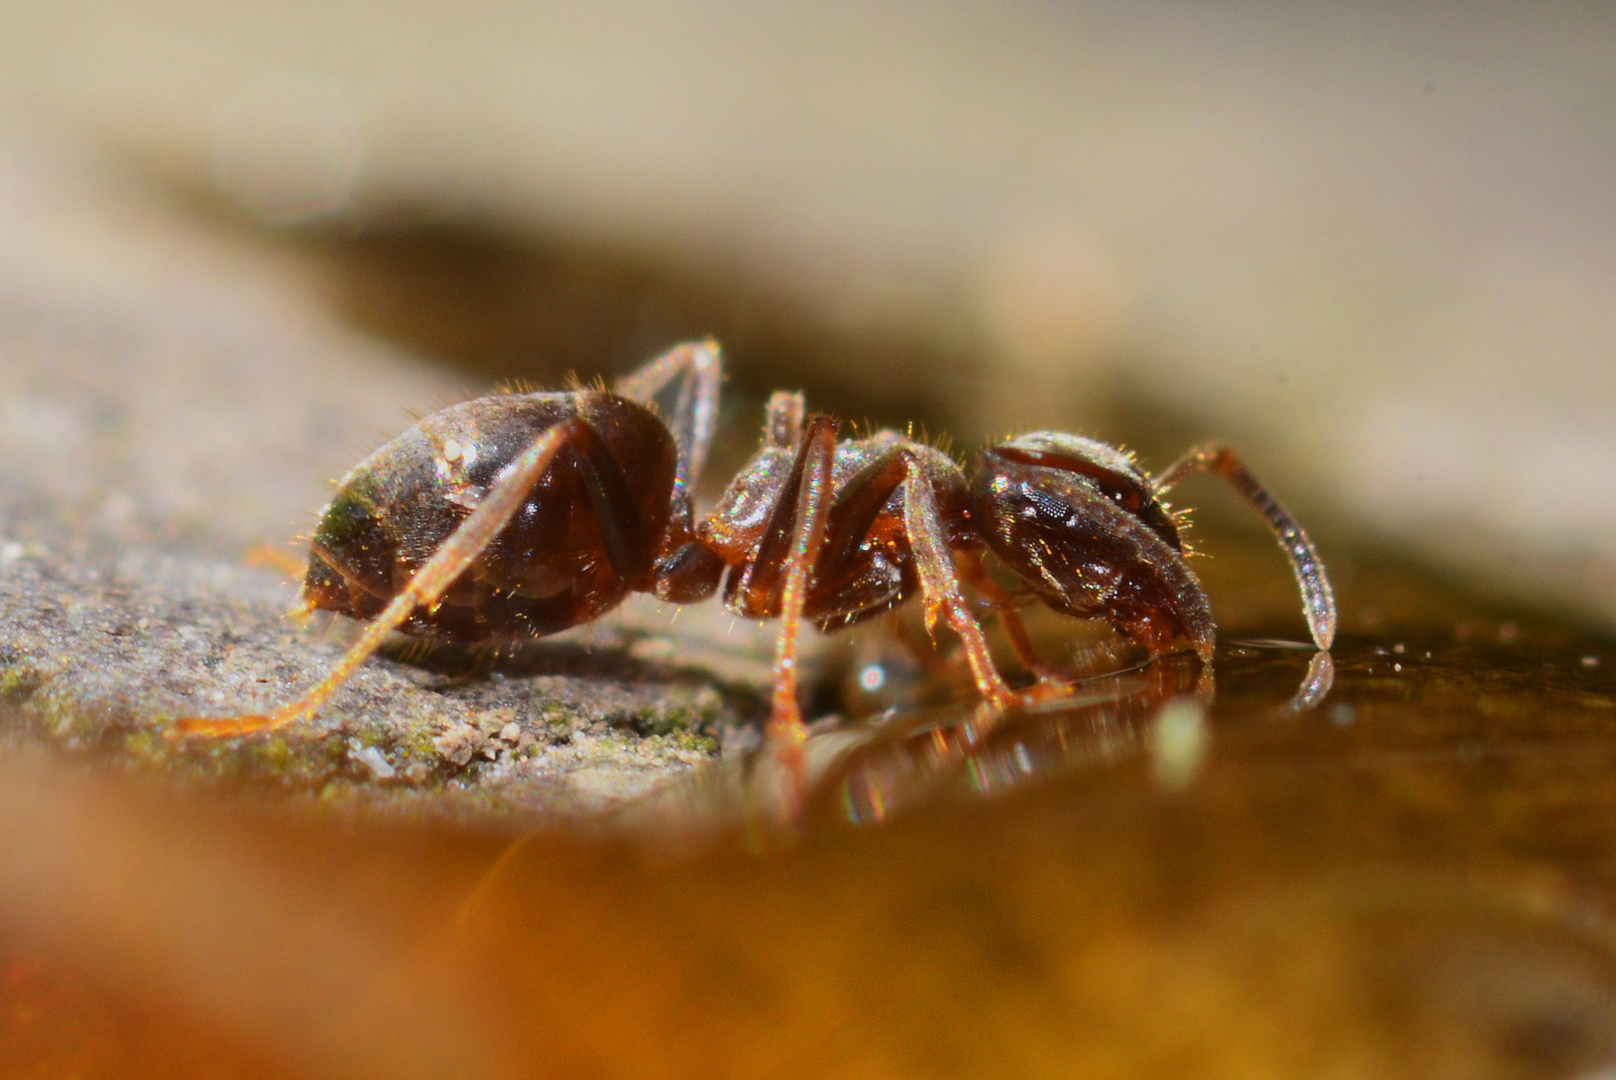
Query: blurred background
[1375, 248]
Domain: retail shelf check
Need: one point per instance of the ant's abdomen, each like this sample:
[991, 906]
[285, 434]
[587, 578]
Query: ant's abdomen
[570, 554]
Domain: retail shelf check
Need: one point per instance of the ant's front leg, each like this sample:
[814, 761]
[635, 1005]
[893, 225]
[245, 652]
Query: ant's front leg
[1053, 680]
[1318, 600]
[451, 559]
[1001, 603]
[940, 584]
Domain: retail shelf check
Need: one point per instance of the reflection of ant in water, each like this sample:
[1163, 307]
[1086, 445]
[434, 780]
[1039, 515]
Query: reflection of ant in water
[868, 773]
[515, 516]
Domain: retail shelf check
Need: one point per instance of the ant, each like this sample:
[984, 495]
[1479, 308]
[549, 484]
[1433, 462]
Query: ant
[518, 515]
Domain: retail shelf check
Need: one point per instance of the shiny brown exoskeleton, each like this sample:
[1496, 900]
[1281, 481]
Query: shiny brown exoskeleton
[1087, 532]
[512, 516]
[518, 515]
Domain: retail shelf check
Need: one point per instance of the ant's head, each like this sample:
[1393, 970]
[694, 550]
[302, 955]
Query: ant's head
[1112, 473]
[1080, 524]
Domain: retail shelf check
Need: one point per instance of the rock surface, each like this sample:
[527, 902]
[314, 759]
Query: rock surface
[169, 400]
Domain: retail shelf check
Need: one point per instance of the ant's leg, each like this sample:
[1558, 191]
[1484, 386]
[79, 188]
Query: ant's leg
[921, 651]
[813, 498]
[758, 591]
[1318, 601]
[972, 570]
[694, 412]
[940, 585]
[1054, 679]
[288, 564]
[279, 558]
[428, 585]
[938, 578]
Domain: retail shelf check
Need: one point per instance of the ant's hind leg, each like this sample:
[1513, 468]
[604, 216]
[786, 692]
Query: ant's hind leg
[278, 558]
[294, 567]
[693, 414]
[1318, 600]
[806, 537]
[428, 585]
[940, 584]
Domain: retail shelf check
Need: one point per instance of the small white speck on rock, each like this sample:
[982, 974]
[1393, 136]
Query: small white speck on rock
[373, 759]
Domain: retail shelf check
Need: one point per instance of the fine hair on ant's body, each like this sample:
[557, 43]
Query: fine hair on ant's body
[515, 516]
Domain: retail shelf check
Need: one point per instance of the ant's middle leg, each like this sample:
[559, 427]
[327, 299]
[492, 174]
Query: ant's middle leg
[858, 504]
[447, 563]
[693, 414]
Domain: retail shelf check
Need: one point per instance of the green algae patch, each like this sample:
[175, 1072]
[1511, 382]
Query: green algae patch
[414, 743]
[275, 752]
[19, 682]
[145, 748]
[655, 721]
[686, 742]
[557, 719]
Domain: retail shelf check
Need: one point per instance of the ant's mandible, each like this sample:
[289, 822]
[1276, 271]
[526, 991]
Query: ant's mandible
[515, 516]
